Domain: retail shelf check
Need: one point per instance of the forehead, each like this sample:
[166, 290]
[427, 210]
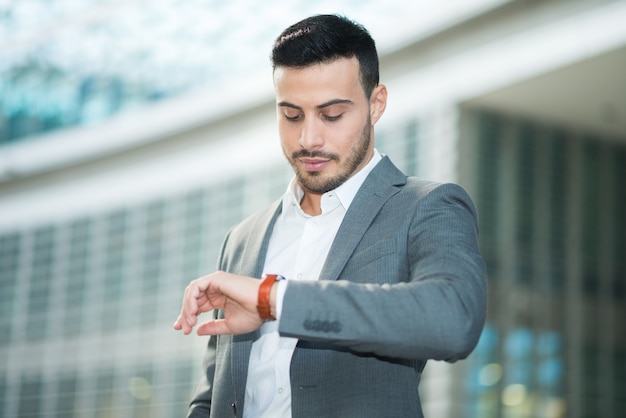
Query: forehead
[338, 79]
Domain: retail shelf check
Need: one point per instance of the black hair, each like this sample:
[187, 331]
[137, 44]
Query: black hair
[324, 38]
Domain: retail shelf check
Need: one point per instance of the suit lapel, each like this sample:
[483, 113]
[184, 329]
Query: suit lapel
[377, 188]
[257, 244]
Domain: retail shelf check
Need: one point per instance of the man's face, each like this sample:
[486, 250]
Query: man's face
[325, 122]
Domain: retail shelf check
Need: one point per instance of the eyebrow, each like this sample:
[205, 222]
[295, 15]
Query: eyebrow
[322, 106]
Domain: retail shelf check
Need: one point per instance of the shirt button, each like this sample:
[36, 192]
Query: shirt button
[280, 391]
[299, 276]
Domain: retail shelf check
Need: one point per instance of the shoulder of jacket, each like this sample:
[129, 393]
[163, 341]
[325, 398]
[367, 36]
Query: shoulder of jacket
[424, 188]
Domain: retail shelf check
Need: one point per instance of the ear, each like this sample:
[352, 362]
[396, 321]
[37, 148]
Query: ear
[378, 102]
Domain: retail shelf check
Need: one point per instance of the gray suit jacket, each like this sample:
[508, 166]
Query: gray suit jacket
[403, 283]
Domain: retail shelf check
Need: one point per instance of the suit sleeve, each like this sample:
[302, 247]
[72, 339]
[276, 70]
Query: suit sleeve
[436, 312]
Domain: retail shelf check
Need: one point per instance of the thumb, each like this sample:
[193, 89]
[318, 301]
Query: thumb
[214, 327]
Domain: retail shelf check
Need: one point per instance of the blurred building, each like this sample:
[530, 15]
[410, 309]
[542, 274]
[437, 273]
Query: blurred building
[109, 207]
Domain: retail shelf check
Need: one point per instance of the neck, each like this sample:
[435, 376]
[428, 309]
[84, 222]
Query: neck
[311, 203]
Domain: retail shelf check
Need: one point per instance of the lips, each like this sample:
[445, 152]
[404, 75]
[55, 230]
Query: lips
[314, 164]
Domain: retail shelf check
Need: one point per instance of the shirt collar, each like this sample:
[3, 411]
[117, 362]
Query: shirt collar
[346, 192]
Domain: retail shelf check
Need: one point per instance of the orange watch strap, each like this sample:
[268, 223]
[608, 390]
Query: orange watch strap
[263, 302]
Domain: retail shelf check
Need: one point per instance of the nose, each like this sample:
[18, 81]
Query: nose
[311, 135]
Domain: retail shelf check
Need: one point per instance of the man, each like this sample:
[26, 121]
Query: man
[382, 271]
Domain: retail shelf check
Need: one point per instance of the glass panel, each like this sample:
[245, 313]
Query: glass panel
[153, 258]
[525, 201]
[590, 192]
[142, 390]
[30, 396]
[77, 274]
[195, 234]
[40, 283]
[3, 394]
[619, 222]
[9, 263]
[115, 264]
[411, 139]
[66, 397]
[183, 384]
[105, 395]
[558, 216]
[489, 133]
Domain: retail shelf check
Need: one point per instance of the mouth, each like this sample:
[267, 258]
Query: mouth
[314, 164]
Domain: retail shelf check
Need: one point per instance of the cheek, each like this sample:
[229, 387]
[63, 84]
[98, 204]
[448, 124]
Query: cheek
[349, 136]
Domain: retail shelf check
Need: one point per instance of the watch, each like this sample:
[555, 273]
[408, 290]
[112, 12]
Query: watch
[263, 301]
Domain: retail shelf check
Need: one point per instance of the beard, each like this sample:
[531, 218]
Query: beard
[319, 182]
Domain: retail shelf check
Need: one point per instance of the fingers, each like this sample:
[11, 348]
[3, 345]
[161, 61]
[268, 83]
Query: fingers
[190, 307]
[184, 324]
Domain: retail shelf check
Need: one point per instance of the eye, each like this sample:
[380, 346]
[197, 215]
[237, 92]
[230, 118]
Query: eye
[292, 118]
[333, 118]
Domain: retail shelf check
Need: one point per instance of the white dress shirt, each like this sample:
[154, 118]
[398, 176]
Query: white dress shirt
[297, 250]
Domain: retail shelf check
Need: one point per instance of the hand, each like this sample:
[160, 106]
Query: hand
[236, 295]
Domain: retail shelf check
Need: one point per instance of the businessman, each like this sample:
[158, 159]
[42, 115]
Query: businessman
[329, 302]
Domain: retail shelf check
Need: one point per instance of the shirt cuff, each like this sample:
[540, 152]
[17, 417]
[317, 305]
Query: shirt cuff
[280, 295]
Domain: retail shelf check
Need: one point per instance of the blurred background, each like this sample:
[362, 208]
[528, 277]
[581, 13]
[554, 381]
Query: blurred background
[134, 134]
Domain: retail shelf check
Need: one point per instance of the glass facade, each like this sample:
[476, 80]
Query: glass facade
[551, 205]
